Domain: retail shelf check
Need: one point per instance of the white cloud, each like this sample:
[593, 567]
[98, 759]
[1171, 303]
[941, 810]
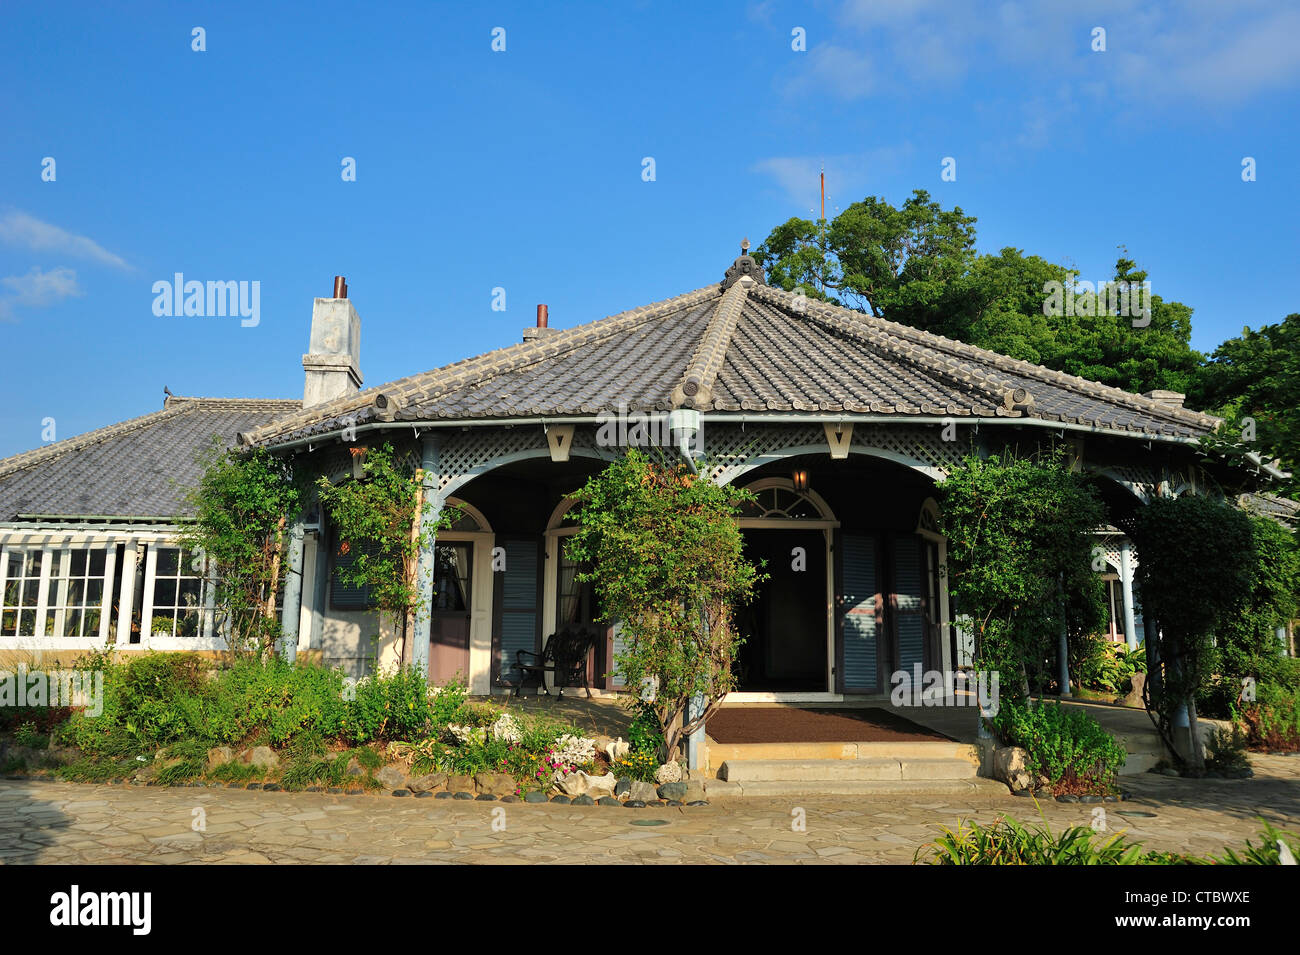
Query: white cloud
[37, 289]
[839, 70]
[18, 228]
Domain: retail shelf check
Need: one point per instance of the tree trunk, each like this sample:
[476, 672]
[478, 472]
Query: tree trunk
[268, 645]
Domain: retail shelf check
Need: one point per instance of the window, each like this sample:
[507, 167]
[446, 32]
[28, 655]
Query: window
[343, 594]
[782, 503]
[22, 588]
[76, 596]
[179, 594]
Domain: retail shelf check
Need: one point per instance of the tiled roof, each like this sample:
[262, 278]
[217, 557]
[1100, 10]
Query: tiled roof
[743, 347]
[136, 468]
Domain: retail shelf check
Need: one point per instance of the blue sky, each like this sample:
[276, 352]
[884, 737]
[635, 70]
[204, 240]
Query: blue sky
[522, 169]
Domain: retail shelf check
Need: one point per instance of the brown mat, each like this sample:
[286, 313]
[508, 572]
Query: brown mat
[788, 724]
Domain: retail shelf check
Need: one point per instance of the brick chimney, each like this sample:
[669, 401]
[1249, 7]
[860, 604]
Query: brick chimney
[332, 364]
[542, 328]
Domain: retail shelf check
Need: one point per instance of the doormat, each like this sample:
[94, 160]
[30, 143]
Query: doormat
[788, 724]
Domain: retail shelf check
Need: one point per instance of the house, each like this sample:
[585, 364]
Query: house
[840, 422]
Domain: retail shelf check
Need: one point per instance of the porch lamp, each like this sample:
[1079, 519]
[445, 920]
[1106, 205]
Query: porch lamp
[799, 478]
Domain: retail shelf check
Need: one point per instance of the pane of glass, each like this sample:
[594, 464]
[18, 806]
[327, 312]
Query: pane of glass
[187, 624]
[163, 624]
[49, 623]
[30, 589]
[32, 564]
[11, 593]
[190, 594]
[164, 593]
[97, 558]
[94, 592]
[8, 622]
[77, 563]
[72, 623]
[168, 562]
[91, 619]
[76, 591]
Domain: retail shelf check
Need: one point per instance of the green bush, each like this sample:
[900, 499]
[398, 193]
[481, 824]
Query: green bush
[1272, 721]
[1007, 842]
[1063, 743]
[394, 707]
[643, 734]
[274, 702]
[1100, 664]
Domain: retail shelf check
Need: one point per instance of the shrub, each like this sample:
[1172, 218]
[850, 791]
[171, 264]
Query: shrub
[638, 764]
[1063, 743]
[393, 706]
[275, 702]
[1226, 751]
[1272, 721]
[1007, 842]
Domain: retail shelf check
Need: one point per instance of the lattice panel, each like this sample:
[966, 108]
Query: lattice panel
[466, 450]
[921, 444]
[1142, 481]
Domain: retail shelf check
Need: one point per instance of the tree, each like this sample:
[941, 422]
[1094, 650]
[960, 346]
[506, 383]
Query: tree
[1257, 376]
[241, 506]
[666, 559]
[381, 523]
[1198, 557]
[1019, 558]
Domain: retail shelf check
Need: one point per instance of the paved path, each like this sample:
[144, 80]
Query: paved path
[51, 822]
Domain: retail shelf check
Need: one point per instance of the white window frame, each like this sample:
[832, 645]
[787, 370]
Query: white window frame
[60, 549]
[208, 637]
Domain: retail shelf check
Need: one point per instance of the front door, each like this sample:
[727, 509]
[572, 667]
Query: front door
[784, 626]
[449, 628]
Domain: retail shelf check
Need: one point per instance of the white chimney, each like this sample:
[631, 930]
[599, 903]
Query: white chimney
[332, 364]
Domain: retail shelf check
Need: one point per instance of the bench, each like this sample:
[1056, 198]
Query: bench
[565, 655]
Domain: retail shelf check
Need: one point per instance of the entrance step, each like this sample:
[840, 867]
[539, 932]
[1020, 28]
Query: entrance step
[868, 769]
[719, 789]
[719, 753]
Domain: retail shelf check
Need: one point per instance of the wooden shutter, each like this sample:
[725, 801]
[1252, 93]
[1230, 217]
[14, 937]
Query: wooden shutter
[518, 618]
[909, 605]
[859, 606]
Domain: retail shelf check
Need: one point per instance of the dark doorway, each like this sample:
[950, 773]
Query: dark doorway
[449, 628]
[785, 625]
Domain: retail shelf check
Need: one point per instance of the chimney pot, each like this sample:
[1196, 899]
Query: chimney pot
[541, 316]
[340, 287]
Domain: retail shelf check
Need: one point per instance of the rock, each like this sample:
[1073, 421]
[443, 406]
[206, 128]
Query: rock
[675, 791]
[634, 804]
[460, 784]
[271, 788]
[1170, 771]
[534, 796]
[1011, 766]
[424, 795]
[496, 784]
[219, 755]
[581, 783]
[401, 792]
[698, 802]
[608, 801]
[642, 792]
[561, 800]
[669, 773]
[1134, 696]
[354, 767]
[442, 795]
[426, 783]
[391, 777]
[617, 749]
[694, 791]
[462, 795]
[622, 787]
[583, 800]
[263, 757]
[485, 797]
[1067, 798]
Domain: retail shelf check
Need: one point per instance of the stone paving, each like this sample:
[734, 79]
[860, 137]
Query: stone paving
[52, 822]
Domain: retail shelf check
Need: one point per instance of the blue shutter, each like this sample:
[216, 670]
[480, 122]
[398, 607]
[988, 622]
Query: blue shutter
[859, 626]
[519, 610]
[908, 566]
[343, 595]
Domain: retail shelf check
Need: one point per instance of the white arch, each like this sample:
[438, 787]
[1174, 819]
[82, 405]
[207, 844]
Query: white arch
[460, 480]
[729, 475]
[824, 511]
[469, 509]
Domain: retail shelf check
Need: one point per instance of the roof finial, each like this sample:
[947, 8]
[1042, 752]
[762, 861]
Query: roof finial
[744, 246]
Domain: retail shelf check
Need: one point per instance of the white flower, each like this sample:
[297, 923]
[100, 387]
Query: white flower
[467, 734]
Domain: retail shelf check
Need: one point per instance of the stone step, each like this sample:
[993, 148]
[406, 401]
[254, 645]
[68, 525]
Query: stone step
[719, 753]
[721, 790]
[867, 769]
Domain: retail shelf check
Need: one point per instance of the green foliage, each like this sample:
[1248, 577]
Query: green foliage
[1100, 664]
[638, 764]
[242, 504]
[916, 264]
[1226, 751]
[1063, 743]
[274, 702]
[28, 735]
[1197, 569]
[394, 706]
[1007, 842]
[1257, 376]
[1019, 558]
[666, 558]
[380, 520]
[644, 734]
[1272, 720]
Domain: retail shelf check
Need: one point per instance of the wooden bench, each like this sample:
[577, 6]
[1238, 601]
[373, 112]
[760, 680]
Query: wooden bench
[565, 655]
